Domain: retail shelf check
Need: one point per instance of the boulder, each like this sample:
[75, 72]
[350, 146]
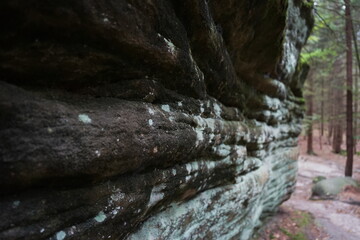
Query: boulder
[329, 188]
[318, 179]
[158, 119]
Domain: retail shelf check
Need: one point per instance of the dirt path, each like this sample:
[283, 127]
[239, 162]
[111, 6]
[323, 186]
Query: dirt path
[300, 218]
[338, 219]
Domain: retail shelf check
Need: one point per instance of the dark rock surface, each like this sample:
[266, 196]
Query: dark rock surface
[149, 119]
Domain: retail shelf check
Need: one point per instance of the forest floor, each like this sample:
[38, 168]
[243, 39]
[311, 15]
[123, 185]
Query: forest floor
[301, 218]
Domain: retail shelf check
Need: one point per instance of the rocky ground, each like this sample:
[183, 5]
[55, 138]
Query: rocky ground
[301, 218]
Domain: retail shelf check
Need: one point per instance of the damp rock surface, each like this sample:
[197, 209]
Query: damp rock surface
[148, 119]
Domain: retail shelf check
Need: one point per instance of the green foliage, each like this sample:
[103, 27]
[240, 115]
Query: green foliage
[318, 179]
[303, 220]
[325, 53]
[344, 153]
[310, 120]
[317, 55]
[357, 137]
[296, 236]
[308, 4]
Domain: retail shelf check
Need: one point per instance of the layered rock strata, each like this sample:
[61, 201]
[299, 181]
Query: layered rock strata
[159, 119]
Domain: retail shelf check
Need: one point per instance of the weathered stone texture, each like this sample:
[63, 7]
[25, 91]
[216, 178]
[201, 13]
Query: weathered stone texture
[159, 119]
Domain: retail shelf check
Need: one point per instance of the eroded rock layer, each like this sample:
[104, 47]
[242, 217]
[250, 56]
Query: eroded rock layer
[158, 119]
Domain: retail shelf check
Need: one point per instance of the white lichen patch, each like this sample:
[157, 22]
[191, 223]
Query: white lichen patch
[151, 122]
[84, 118]
[156, 195]
[211, 137]
[222, 150]
[16, 204]
[114, 212]
[97, 153]
[217, 110]
[202, 108]
[211, 123]
[155, 149]
[100, 217]
[169, 45]
[50, 130]
[199, 136]
[188, 168]
[195, 166]
[72, 230]
[166, 108]
[202, 125]
[151, 111]
[241, 151]
[180, 104]
[116, 196]
[60, 235]
[272, 103]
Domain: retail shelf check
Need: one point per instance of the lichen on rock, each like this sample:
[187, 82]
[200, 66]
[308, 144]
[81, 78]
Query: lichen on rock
[148, 119]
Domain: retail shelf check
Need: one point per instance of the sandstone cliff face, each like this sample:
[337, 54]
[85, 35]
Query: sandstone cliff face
[158, 119]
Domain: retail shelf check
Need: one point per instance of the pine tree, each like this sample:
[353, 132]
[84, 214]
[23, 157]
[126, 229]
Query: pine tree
[349, 83]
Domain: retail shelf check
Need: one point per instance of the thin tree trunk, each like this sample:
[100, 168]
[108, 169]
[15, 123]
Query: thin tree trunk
[322, 113]
[355, 44]
[349, 110]
[337, 120]
[337, 137]
[322, 107]
[356, 109]
[309, 113]
[332, 104]
[331, 128]
[337, 100]
[356, 85]
[331, 111]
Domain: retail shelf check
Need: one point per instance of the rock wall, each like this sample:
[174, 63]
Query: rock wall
[158, 119]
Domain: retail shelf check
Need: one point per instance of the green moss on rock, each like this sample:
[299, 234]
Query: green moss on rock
[331, 187]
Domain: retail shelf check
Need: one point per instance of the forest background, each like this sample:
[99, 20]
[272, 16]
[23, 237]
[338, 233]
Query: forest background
[332, 88]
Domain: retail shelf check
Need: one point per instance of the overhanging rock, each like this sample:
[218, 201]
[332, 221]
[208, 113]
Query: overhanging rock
[150, 119]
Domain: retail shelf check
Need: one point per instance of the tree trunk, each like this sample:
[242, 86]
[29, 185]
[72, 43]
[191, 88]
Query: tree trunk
[330, 134]
[332, 103]
[321, 113]
[309, 114]
[338, 106]
[349, 110]
[356, 109]
[337, 137]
